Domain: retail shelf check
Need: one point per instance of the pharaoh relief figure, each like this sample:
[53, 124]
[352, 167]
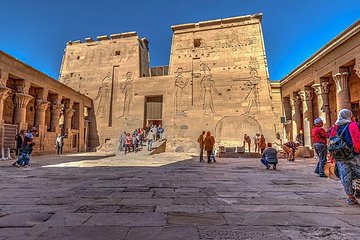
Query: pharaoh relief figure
[180, 91]
[207, 86]
[128, 89]
[253, 95]
[102, 97]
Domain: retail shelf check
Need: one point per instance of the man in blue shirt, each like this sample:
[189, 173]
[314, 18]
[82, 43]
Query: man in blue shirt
[269, 156]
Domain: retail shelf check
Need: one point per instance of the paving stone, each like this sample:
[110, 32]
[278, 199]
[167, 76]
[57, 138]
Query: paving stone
[239, 233]
[67, 219]
[23, 219]
[196, 219]
[98, 209]
[284, 219]
[317, 233]
[127, 219]
[136, 209]
[85, 233]
[163, 233]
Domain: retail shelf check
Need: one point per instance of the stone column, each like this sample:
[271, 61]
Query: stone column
[41, 104]
[55, 110]
[295, 102]
[342, 90]
[68, 113]
[307, 97]
[4, 91]
[322, 92]
[40, 108]
[21, 100]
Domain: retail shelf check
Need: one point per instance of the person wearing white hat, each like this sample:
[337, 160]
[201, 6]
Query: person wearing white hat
[319, 138]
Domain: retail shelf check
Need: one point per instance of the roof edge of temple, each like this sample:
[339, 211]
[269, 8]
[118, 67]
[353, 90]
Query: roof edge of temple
[217, 22]
[105, 37]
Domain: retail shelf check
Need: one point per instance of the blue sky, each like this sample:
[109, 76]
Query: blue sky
[36, 31]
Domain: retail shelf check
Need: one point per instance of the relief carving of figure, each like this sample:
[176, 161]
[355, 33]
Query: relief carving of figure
[207, 86]
[102, 96]
[128, 90]
[253, 95]
[180, 85]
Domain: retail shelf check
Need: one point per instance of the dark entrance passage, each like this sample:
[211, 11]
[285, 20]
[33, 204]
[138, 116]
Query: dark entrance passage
[153, 110]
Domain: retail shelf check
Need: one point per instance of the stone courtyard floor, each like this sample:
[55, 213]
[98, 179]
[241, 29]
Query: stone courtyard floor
[170, 196]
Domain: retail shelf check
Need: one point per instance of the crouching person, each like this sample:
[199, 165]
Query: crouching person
[269, 156]
[24, 157]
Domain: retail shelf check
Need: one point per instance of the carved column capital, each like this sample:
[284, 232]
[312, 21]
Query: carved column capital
[4, 93]
[295, 100]
[357, 69]
[321, 88]
[56, 107]
[306, 95]
[341, 81]
[21, 100]
[4, 76]
[41, 105]
[22, 86]
[68, 112]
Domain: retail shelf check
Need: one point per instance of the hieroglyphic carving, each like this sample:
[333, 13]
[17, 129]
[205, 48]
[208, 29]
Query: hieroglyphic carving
[102, 96]
[207, 86]
[128, 89]
[180, 85]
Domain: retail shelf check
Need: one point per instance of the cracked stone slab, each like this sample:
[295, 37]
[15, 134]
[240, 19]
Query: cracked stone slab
[67, 219]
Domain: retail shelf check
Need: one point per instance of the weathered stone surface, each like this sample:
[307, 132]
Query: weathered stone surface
[243, 200]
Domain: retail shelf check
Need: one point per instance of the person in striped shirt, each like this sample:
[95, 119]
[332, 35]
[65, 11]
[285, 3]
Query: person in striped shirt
[290, 148]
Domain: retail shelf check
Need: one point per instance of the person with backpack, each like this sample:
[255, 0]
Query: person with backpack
[344, 146]
[319, 138]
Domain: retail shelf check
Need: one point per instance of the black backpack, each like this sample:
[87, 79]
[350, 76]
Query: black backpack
[339, 149]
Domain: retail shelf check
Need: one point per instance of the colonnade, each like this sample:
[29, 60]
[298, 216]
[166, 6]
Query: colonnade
[302, 103]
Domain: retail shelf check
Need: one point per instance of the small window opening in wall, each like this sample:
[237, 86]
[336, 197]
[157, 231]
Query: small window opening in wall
[31, 108]
[197, 42]
[78, 57]
[107, 140]
[355, 106]
[117, 53]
